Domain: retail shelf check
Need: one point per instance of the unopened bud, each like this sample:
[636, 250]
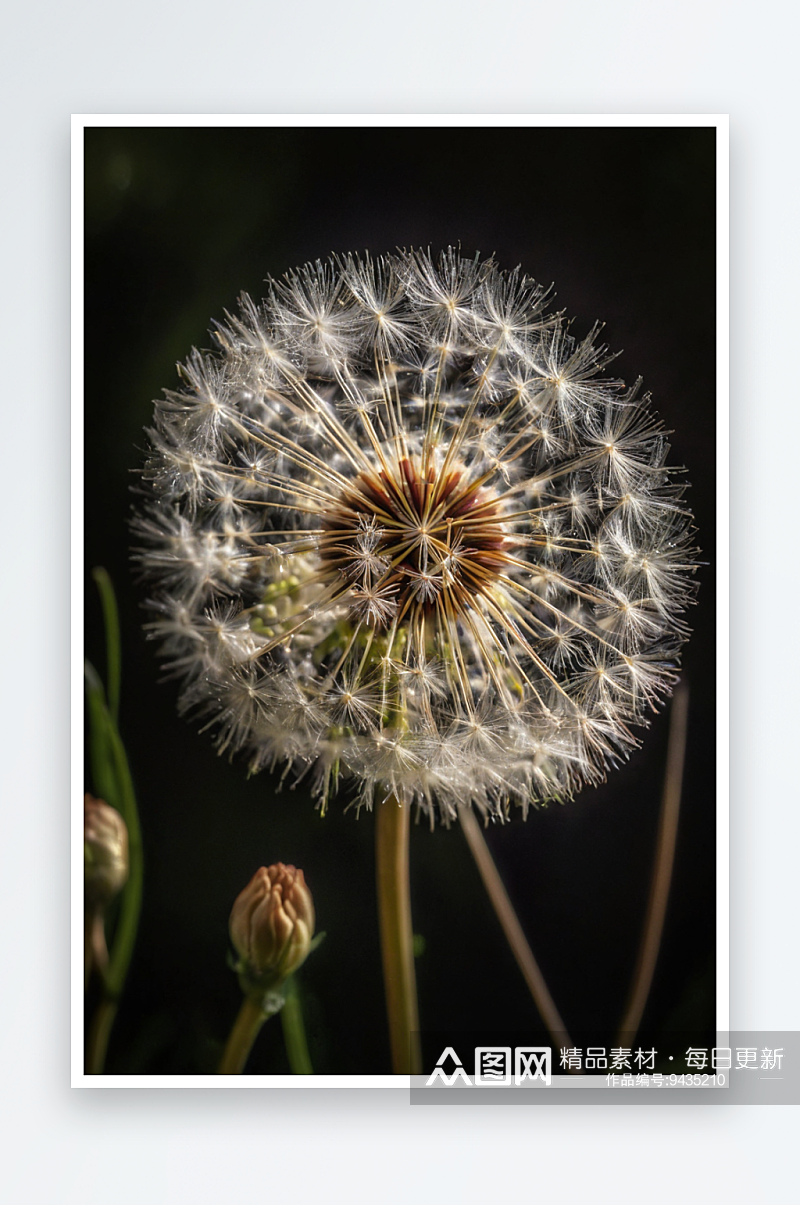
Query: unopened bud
[105, 852]
[271, 925]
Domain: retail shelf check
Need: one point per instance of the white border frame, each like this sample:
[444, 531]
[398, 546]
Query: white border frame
[79, 122]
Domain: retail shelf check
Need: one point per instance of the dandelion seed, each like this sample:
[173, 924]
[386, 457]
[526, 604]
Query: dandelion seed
[403, 531]
[373, 604]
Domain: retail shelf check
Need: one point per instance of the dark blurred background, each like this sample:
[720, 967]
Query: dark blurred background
[178, 222]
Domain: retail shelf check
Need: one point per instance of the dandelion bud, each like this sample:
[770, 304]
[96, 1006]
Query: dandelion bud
[271, 926]
[105, 852]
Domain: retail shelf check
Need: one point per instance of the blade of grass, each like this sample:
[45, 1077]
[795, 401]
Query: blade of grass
[111, 779]
[122, 797]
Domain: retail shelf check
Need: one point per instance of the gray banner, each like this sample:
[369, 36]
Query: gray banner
[752, 1067]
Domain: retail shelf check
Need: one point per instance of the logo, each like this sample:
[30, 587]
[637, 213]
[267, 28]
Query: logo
[532, 1062]
[458, 1073]
[493, 1067]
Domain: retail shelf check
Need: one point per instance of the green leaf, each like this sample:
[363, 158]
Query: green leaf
[131, 898]
[101, 759]
[113, 645]
[112, 782]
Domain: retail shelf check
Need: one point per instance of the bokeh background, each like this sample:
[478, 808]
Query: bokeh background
[178, 222]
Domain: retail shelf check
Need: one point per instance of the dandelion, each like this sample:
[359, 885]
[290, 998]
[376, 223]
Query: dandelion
[271, 925]
[105, 873]
[105, 853]
[271, 928]
[403, 531]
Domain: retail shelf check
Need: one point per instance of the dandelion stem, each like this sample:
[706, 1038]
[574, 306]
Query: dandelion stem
[294, 1034]
[662, 871]
[504, 910]
[99, 1033]
[245, 1030]
[88, 947]
[95, 962]
[95, 956]
[392, 822]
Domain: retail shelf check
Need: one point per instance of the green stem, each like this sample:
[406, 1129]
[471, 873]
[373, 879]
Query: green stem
[88, 947]
[113, 655]
[294, 1034]
[99, 1033]
[245, 1030]
[106, 1010]
[131, 899]
[392, 823]
[103, 779]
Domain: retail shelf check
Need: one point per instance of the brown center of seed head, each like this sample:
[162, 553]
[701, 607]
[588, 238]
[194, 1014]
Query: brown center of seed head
[411, 538]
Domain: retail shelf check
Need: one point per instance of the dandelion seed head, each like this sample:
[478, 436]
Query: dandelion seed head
[403, 531]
